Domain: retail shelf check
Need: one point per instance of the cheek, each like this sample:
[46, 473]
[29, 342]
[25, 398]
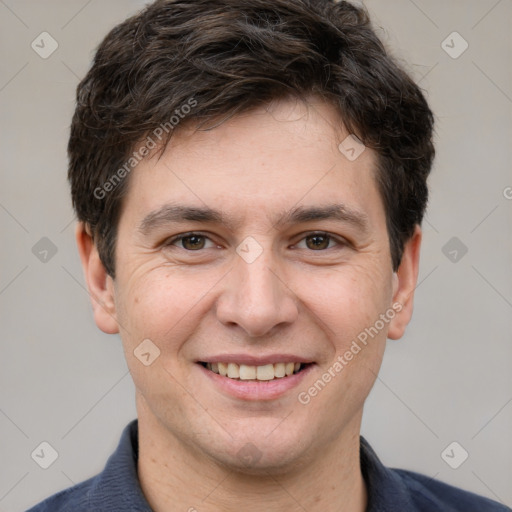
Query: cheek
[348, 305]
[163, 307]
[348, 300]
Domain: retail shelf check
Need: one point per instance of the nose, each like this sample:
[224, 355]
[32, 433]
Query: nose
[255, 298]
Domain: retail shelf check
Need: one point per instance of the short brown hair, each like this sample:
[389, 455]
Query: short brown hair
[224, 57]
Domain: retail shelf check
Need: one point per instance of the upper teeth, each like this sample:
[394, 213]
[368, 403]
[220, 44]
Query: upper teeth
[247, 372]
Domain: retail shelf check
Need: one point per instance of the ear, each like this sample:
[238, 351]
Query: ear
[406, 278]
[99, 283]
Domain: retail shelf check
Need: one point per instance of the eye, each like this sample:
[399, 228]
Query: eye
[319, 242]
[190, 241]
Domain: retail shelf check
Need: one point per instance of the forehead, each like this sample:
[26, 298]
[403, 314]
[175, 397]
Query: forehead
[268, 162]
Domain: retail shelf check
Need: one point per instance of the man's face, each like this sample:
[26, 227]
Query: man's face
[274, 276]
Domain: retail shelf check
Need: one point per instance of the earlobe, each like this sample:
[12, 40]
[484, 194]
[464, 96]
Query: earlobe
[404, 285]
[99, 283]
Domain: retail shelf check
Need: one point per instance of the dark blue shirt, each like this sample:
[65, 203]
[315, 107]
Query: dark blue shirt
[117, 488]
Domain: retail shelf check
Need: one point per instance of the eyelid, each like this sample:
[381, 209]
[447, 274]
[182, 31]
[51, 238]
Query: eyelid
[340, 241]
[176, 238]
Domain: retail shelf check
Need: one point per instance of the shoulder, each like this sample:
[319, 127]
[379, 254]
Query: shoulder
[393, 490]
[429, 494]
[74, 498]
[115, 489]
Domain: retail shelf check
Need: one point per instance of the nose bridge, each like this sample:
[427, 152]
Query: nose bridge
[256, 299]
[258, 283]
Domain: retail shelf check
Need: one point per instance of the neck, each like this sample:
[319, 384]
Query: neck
[174, 476]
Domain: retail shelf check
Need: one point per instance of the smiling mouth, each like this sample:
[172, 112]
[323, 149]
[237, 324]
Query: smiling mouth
[255, 373]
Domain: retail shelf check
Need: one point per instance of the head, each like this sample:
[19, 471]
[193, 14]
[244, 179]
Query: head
[235, 121]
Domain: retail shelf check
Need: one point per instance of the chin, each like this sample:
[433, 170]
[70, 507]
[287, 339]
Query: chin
[262, 455]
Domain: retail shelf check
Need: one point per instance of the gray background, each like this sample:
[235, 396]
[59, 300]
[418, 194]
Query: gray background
[65, 382]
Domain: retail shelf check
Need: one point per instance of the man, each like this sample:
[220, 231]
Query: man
[250, 179]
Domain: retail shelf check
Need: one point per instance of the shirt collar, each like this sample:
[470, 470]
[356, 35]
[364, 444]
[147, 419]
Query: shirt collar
[386, 490]
[118, 489]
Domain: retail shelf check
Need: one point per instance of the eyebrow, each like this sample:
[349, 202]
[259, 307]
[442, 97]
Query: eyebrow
[339, 212]
[170, 213]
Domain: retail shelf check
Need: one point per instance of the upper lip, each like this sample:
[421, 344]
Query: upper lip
[255, 360]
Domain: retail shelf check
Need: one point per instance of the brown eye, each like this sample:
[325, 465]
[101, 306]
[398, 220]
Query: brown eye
[190, 242]
[193, 242]
[317, 242]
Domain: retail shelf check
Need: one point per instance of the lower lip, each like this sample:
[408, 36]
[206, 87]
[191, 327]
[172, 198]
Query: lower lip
[256, 389]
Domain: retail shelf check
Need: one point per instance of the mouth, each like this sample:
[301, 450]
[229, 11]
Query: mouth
[246, 372]
[248, 379]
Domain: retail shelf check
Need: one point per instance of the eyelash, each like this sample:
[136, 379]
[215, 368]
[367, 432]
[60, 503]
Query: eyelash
[340, 242]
